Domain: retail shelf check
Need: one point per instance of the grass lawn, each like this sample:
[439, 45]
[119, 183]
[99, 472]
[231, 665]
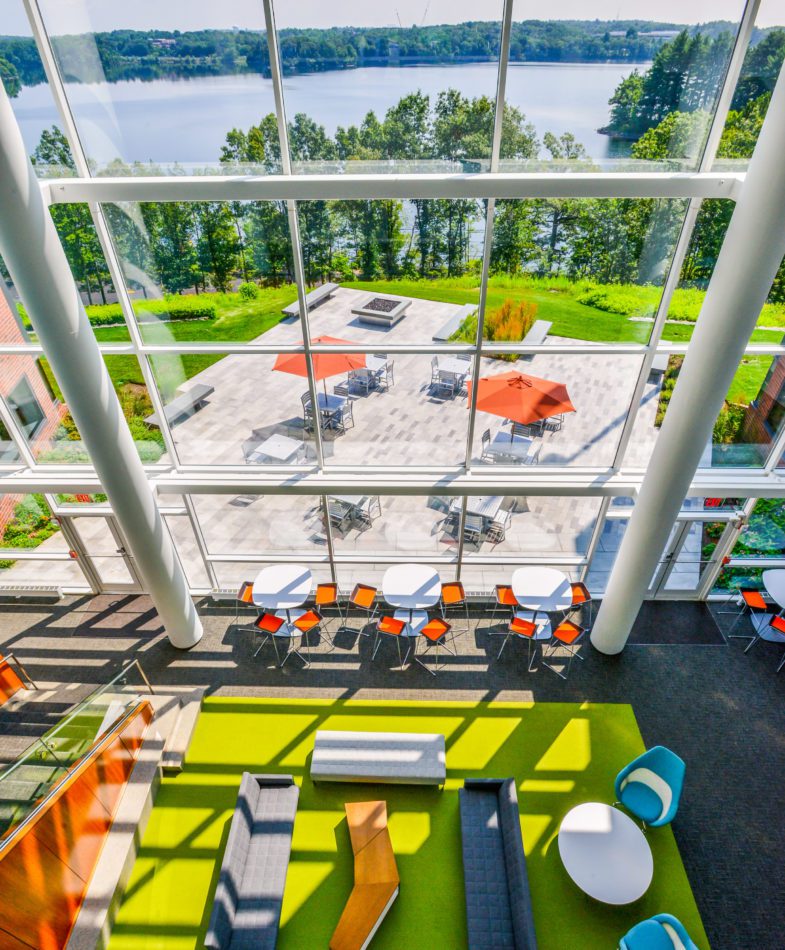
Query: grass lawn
[560, 755]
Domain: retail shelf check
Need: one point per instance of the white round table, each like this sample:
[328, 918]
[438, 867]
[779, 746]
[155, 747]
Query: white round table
[605, 853]
[411, 586]
[282, 587]
[542, 589]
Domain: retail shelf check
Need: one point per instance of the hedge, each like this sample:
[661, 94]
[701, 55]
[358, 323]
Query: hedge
[147, 311]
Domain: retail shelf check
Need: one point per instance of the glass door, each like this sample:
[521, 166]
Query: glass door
[105, 554]
[689, 554]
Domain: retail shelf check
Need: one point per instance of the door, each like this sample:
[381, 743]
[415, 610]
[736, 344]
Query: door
[104, 553]
[689, 554]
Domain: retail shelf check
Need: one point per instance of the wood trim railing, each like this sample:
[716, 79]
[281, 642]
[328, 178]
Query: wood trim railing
[47, 860]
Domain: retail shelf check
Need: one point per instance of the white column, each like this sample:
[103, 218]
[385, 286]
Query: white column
[751, 253]
[35, 259]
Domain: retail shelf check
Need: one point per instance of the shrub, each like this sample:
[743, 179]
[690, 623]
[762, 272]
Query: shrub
[668, 382]
[727, 428]
[248, 291]
[30, 525]
[175, 307]
[510, 322]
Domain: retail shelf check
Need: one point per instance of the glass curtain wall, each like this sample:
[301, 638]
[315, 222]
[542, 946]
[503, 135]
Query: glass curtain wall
[518, 339]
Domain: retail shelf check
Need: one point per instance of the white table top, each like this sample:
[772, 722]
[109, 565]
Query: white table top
[774, 582]
[277, 447]
[330, 402]
[542, 588]
[516, 447]
[282, 586]
[413, 586]
[485, 505]
[451, 364]
[605, 853]
[375, 363]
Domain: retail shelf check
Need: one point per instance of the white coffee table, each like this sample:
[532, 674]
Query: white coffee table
[411, 586]
[605, 853]
[282, 587]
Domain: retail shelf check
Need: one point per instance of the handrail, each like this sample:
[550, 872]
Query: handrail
[12, 656]
[142, 673]
[109, 736]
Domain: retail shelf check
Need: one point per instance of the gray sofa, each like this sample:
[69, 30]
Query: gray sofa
[247, 906]
[498, 904]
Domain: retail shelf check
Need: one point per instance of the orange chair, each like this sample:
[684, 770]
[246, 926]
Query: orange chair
[580, 598]
[268, 625]
[306, 623]
[244, 598]
[774, 632]
[390, 627]
[363, 598]
[520, 627]
[435, 633]
[569, 635]
[453, 595]
[751, 602]
[504, 598]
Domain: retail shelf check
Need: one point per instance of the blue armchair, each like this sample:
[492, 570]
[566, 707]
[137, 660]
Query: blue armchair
[661, 932]
[650, 786]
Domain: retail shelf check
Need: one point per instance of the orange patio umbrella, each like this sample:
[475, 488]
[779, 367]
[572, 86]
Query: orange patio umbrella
[324, 364]
[521, 398]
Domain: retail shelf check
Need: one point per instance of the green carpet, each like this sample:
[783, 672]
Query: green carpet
[560, 754]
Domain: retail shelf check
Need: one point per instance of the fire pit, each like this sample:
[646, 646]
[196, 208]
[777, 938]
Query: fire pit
[382, 310]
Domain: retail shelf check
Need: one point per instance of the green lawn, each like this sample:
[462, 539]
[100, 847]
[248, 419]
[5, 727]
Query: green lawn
[559, 754]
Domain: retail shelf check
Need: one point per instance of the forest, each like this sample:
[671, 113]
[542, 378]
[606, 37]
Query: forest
[156, 54]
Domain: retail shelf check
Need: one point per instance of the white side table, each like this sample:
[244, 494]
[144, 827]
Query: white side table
[282, 587]
[411, 586]
[605, 853]
[542, 590]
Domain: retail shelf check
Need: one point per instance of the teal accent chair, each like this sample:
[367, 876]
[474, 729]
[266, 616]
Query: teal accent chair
[650, 786]
[661, 932]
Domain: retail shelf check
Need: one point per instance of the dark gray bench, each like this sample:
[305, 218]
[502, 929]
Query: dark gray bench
[247, 906]
[186, 404]
[446, 330]
[312, 299]
[498, 904]
[538, 333]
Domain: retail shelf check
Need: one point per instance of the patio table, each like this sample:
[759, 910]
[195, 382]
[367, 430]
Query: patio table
[411, 586]
[487, 506]
[358, 502]
[542, 590]
[278, 448]
[451, 364]
[376, 364]
[502, 446]
[281, 587]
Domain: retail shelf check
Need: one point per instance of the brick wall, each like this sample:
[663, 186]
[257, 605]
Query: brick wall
[12, 369]
[754, 427]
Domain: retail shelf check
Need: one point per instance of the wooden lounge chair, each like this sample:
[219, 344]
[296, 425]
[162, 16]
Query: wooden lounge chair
[376, 880]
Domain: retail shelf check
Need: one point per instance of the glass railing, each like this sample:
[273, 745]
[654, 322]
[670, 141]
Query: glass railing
[25, 782]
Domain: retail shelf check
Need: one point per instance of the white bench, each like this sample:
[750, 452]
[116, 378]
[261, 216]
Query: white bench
[312, 300]
[446, 330]
[401, 758]
[31, 591]
[539, 331]
[185, 404]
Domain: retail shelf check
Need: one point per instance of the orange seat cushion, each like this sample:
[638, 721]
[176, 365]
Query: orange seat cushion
[245, 594]
[363, 596]
[778, 623]
[504, 595]
[453, 593]
[326, 594]
[524, 628]
[391, 625]
[435, 629]
[580, 594]
[269, 623]
[567, 632]
[308, 620]
[753, 599]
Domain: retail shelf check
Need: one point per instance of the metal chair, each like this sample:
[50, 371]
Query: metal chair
[553, 423]
[569, 636]
[307, 623]
[533, 457]
[435, 634]
[327, 596]
[581, 597]
[520, 627]
[486, 441]
[473, 528]
[453, 595]
[364, 379]
[308, 422]
[243, 598]
[504, 598]
[269, 625]
[346, 414]
[390, 627]
[434, 370]
[363, 597]
[750, 601]
[387, 376]
[497, 529]
[340, 516]
[365, 515]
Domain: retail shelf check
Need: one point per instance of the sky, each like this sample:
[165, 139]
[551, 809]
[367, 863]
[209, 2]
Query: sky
[80, 16]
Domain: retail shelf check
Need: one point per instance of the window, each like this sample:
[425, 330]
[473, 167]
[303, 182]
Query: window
[26, 407]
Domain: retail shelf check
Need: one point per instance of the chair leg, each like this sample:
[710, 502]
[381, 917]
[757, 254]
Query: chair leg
[264, 640]
[504, 644]
[730, 635]
[751, 644]
[782, 663]
[376, 644]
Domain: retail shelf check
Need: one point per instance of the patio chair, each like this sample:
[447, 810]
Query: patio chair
[775, 633]
[523, 628]
[340, 516]
[533, 457]
[390, 627]
[650, 786]
[363, 597]
[363, 378]
[497, 529]
[472, 529]
[307, 411]
[307, 623]
[504, 598]
[244, 598]
[435, 634]
[465, 357]
[454, 596]
[268, 625]
[527, 429]
[750, 601]
[327, 596]
[569, 636]
[486, 441]
[387, 375]
[553, 423]
[346, 414]
[657, 933]
[581, 597]
[434, 370]
[372, 510]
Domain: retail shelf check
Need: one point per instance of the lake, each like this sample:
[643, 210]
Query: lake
[186, 120]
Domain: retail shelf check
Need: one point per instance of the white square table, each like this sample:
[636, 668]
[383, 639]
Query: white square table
[505, 445]
[279, 448]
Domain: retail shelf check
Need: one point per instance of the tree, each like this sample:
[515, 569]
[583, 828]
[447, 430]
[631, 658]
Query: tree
[680, 135]
[9, 76]
[171, 227]
[217, 245]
